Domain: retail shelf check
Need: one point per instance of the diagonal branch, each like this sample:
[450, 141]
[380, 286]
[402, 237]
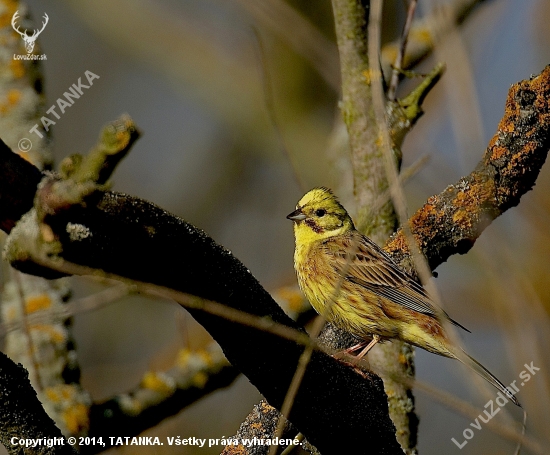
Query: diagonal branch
[22, 416]
[450, 222]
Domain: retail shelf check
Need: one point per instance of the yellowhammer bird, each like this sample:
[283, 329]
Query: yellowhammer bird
[356, 285]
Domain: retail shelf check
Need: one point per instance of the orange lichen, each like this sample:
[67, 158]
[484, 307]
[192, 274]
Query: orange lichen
[9, 7]
[17, 68]
[389, 52]
[55, 334]
[183, 357]
[498, 152]
[266, 408]
[462, 218]
[76, 418]
[38, 302]
[53, 394]
[235, 450]
[12, 98]
[26, 157]
[153, 381]
[397, 243]
[200, 379]
[60, 393]
[468, 202]
[421, 35]
[367, 75]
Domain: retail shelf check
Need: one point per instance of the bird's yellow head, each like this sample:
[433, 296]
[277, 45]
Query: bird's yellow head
[318, 216]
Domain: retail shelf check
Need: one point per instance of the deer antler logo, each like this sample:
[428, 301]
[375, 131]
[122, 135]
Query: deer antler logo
[29, 39]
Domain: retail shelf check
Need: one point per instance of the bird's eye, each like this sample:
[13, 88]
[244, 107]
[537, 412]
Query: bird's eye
[320, 212]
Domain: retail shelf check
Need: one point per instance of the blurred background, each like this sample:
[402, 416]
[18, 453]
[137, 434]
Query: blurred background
[232, 157]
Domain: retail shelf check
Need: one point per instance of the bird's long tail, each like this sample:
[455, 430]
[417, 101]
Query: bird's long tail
[487, 375]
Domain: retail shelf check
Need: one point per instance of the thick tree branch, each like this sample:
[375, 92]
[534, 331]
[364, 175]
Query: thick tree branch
[369, 178]
[450, 222]
[22, 415]
[18, 183]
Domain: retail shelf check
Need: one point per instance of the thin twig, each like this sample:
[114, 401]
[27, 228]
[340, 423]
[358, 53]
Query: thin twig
[78, 306]
[184, 299]
[400, 56]
[289, 25]
[267, 87]
[27, 330]
[427, 31]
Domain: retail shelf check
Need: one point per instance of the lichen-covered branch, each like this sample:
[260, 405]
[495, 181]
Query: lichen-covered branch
[22, 100]
[450, 222]
[369, 178]
[18, 183]
[115, 141]
[160, 395]
[45, 348]
[261, 423]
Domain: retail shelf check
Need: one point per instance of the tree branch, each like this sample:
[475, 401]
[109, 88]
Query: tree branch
[23, 417]
[369, 177]
[450, 222]
[159, 396]
[17, 187]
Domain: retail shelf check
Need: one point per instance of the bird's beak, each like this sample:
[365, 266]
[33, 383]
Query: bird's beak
[297, 215]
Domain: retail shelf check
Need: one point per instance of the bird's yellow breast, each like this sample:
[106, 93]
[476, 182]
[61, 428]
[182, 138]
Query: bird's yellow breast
[334, 297]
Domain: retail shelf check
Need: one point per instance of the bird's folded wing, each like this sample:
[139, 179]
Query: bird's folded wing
[372, 269]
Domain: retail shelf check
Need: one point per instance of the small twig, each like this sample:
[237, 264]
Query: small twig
[116, 140]
[184, 299]
[425, 32]
[392, 90]
[78, 306]
[27, 329]
[289, 25]
[267, 87]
